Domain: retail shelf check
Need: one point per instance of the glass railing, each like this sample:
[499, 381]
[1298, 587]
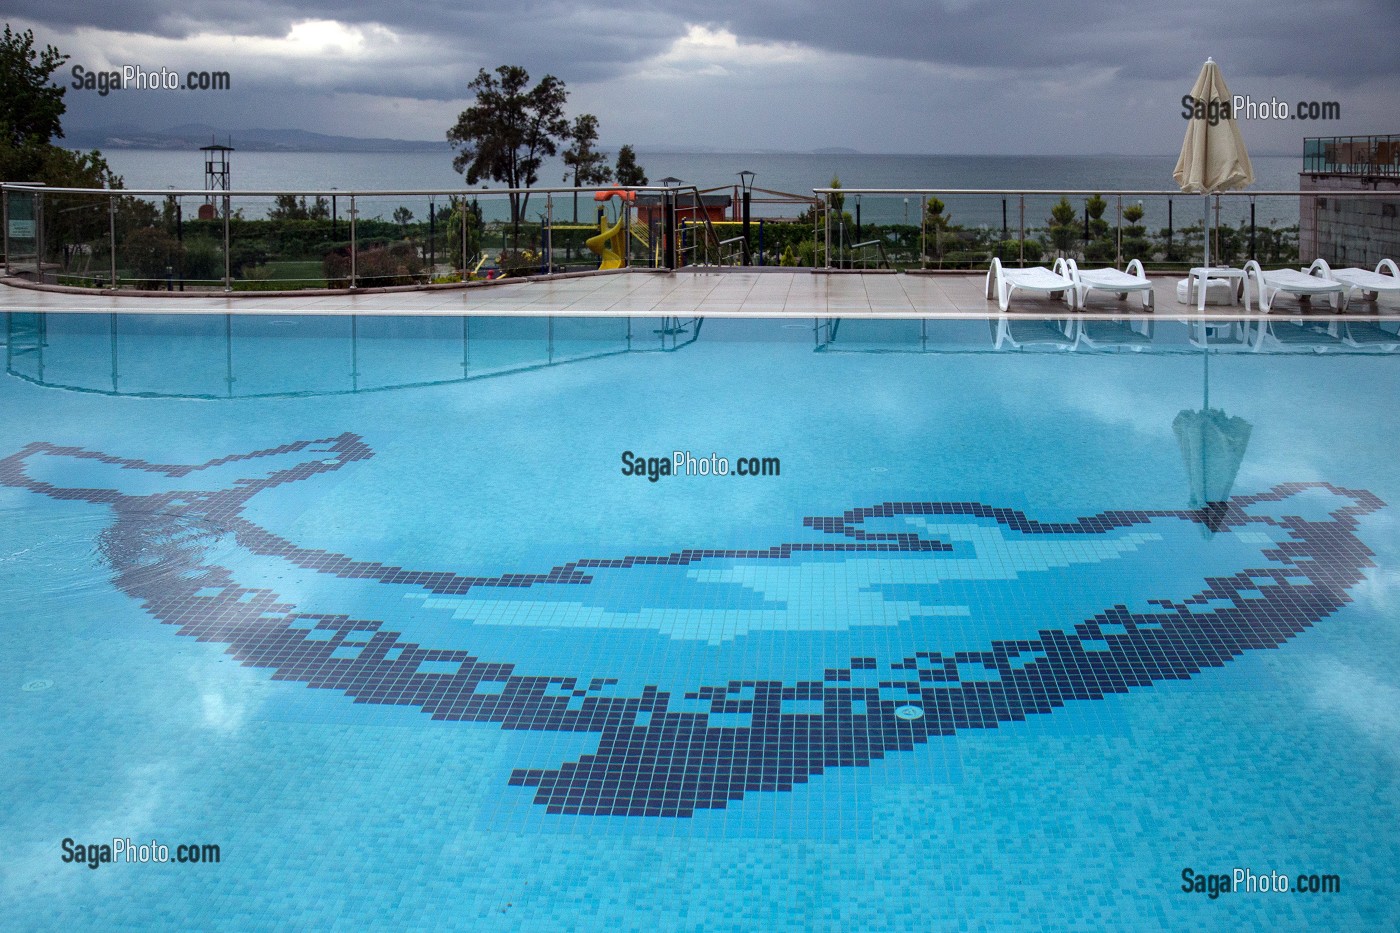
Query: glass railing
[1133, 334]
[928, 229]
[273, 241]
[229, 356]
[1352, 155]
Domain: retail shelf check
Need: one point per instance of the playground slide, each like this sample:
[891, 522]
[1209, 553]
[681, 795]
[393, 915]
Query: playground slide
[610, 243]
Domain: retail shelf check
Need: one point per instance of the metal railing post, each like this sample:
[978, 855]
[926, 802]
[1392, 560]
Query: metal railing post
[826, 216]
[5, 221]
[112, 235]
[923, 231]
[354, 278]
[228, 262]
[1021, 235]
[1118, 259]
[39, 236]
[549, 234]
[669, 233]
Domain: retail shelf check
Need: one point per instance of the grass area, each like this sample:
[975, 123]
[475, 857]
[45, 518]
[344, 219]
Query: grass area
[300, 269]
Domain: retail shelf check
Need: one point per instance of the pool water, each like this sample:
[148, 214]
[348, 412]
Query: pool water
[1002, 639]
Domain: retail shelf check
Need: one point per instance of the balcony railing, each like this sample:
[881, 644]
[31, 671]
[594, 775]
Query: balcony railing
[169, 240]
[1352, 155]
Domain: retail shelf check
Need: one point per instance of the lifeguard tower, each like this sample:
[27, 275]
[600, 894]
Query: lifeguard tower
[216, 176]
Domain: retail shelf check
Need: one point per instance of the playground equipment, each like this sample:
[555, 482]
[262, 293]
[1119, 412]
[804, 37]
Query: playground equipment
[610, 243]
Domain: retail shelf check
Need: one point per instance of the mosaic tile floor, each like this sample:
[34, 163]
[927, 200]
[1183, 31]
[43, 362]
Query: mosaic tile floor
[830, 703]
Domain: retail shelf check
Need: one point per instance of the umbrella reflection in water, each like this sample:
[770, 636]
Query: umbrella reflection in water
[1212, 449]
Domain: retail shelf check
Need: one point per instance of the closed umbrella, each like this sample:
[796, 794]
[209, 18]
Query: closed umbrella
[1213, 157]
[1212, 448]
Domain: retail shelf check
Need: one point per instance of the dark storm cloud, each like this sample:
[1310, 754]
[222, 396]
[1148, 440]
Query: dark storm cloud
[588, 40]
[578, 40]
[1143, 39]
[897, 75]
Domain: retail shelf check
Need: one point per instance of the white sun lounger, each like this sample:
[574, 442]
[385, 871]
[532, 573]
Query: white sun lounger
[1108, 280]
[1018, 333]
[1001, 282]
[1268, 284]
[1370, 284]
[1303, 334]
[1133, 333]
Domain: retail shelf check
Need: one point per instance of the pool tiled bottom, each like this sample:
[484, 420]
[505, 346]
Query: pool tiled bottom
[665, 756]
[871, 696]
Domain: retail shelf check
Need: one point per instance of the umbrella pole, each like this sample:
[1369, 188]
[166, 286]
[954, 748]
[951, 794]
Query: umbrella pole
[1205, 230]
[1205, 392]
[1205, 352]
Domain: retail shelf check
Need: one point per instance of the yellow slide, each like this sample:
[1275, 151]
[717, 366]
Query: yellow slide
[610, 243]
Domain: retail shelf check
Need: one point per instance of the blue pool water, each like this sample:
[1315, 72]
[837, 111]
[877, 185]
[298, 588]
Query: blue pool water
[371, 605]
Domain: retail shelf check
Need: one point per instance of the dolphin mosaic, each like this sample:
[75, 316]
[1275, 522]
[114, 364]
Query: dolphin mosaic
[657, 756]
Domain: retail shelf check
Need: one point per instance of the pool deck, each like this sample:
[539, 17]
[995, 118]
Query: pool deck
[717, 293]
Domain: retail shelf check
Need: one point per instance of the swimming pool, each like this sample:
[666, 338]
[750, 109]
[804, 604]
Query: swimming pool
[971, 648]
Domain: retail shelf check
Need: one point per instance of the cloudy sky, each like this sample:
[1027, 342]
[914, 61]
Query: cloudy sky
[936, 76]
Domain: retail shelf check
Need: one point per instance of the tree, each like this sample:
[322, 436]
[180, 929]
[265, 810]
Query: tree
[509, 131]
[629, 173]
[837, 201]
[1093, 209]
[589, 166]
[1063, 229]
[1135, 242]
[287, 208]
[403, 217]
[290, 207]
[463, 217]
[938, 222]
[31, 106]
[31, 111]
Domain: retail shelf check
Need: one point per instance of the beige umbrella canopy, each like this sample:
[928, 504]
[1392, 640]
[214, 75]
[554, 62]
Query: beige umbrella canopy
[1213, 156]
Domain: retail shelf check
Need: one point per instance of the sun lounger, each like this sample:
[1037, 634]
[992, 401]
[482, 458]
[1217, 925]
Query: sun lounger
[1367, 335]
[1386, 278]
[1001, 282]
[1108, 280]
[1304, 334]
[1113, 334]
[1018, 333]
[1268, 284]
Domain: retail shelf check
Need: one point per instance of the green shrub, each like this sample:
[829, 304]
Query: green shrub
[375, 266]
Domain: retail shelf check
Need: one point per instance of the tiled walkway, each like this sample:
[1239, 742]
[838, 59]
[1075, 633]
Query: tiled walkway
[647, 294]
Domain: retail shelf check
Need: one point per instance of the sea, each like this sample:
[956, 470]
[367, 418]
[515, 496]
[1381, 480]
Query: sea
[794, 173]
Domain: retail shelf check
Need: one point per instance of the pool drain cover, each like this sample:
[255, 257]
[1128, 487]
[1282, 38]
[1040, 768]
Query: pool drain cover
[34, 686]
[909, 712]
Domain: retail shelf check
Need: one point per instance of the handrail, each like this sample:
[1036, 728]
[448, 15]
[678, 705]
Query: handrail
[743, 248]
[330, 192]
[879, 247]
[1103, 192]
[701, 220]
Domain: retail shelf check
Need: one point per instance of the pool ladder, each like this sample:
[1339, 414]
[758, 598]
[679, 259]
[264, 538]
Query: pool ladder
[672, 329]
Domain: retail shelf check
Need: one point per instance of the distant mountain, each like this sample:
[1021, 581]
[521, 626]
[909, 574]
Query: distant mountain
[194, 135]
